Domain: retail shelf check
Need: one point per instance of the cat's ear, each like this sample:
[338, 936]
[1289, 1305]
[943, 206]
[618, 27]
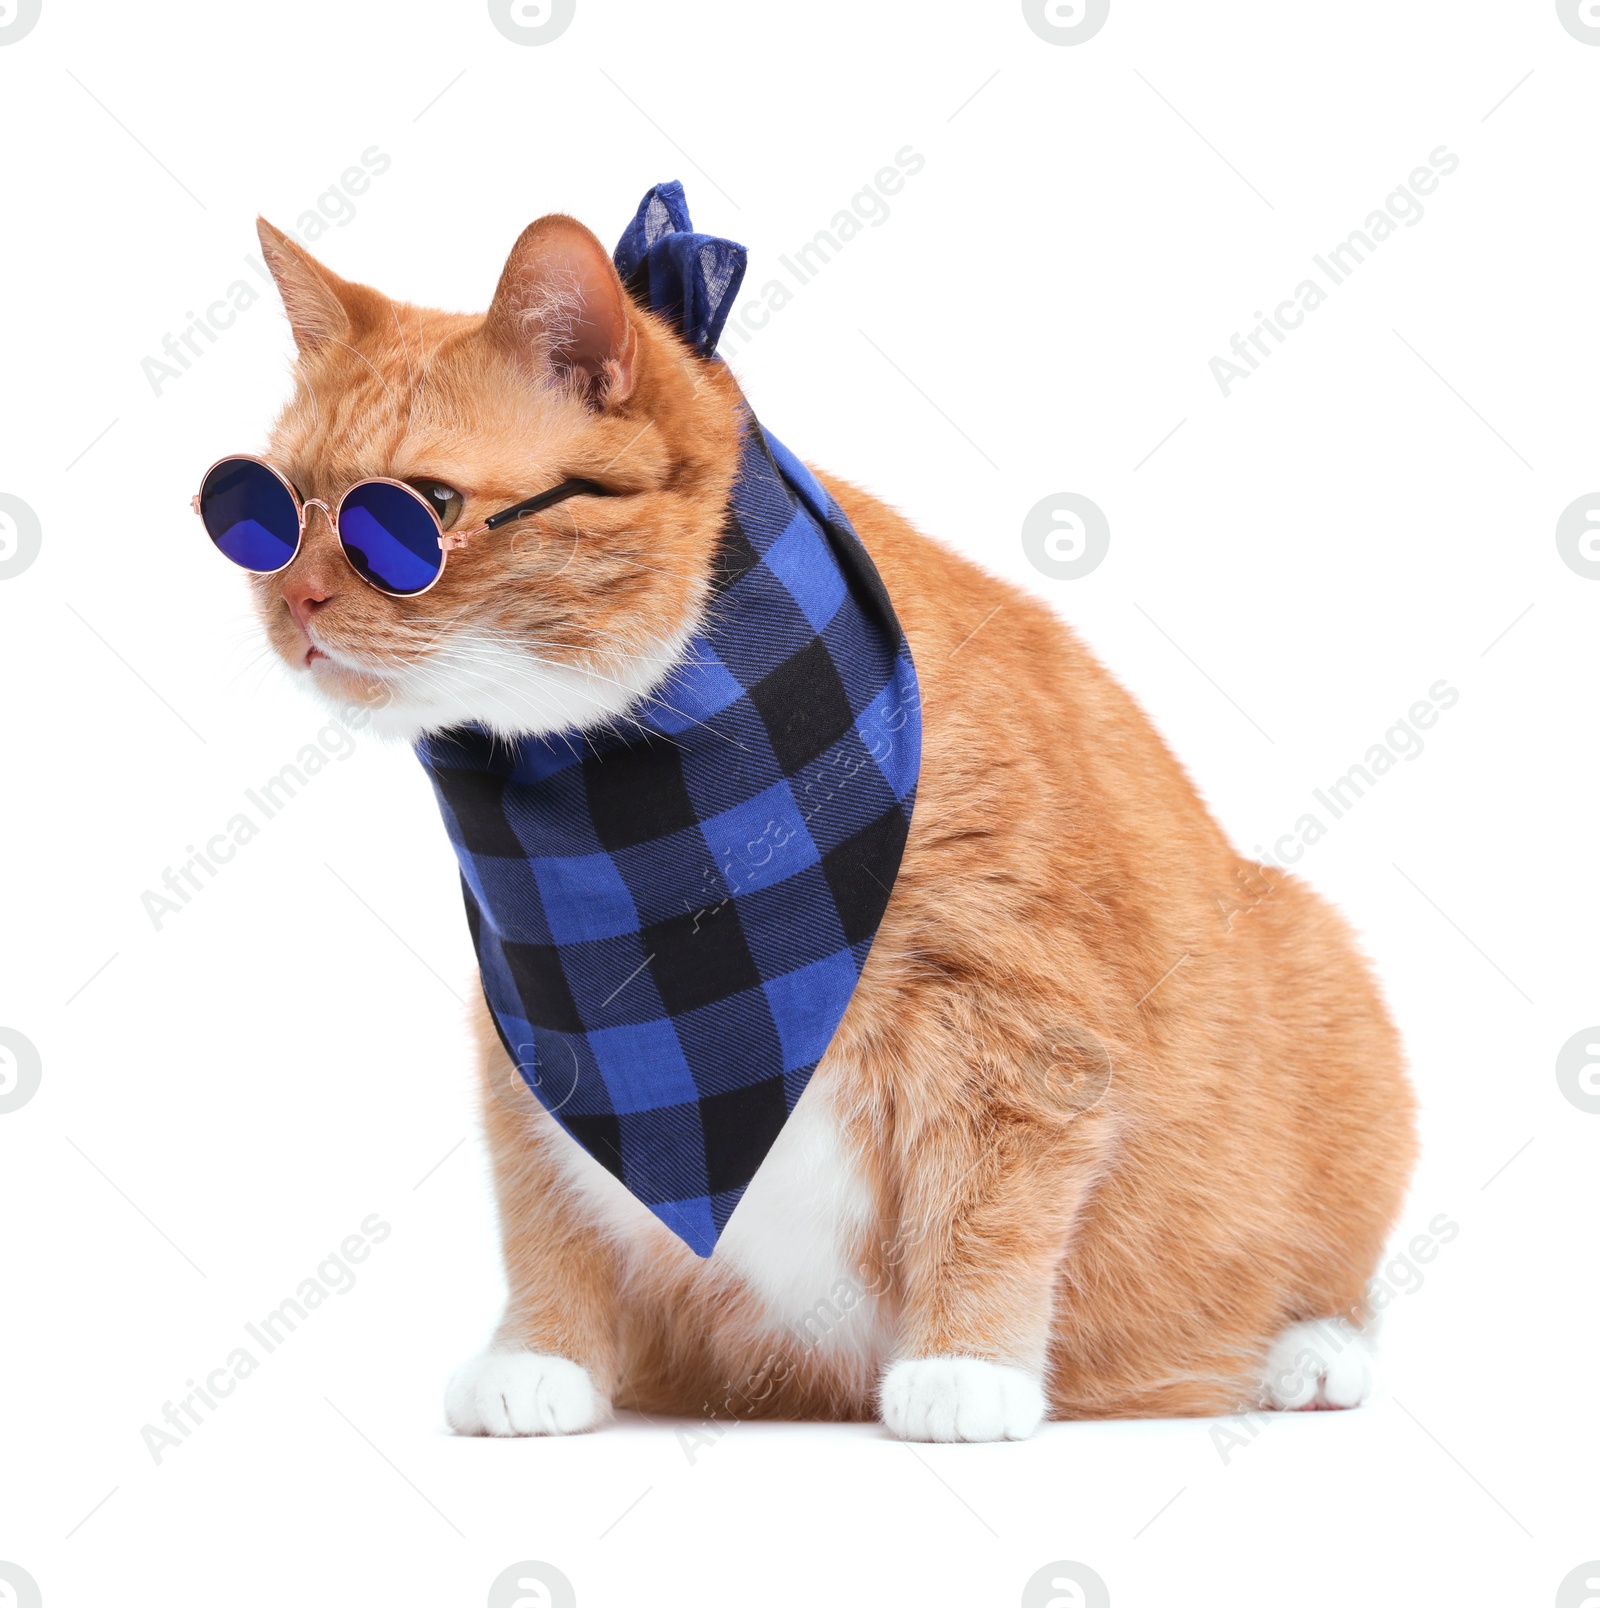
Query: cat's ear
[560, 305]
[314, 298]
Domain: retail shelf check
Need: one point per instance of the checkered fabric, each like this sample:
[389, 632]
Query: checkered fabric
[689, 279]
[671, 918]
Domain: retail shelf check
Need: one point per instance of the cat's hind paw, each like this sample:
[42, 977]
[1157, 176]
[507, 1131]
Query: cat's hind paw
[1312, 1365]
[960, 1399]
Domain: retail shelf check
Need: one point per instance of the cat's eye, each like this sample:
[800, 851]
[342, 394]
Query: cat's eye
[445, 501]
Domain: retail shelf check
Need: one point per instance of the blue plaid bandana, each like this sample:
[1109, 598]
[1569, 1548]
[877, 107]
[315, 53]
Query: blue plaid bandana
[671, 919]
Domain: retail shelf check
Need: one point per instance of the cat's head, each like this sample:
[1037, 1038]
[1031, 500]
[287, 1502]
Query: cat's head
[560, 619]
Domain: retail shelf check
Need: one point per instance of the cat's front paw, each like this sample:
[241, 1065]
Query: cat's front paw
[960, 1399]
[522, 1393]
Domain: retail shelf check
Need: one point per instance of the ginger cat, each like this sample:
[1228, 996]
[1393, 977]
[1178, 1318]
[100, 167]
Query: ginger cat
[1116, 1122]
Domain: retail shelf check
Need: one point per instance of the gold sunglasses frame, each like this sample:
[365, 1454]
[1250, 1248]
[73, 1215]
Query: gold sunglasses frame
[453, 541]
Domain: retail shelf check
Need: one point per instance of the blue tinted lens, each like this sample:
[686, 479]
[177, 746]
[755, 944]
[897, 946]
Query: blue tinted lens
[249, 513]
[390, 536]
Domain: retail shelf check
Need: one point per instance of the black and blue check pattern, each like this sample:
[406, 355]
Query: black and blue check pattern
[671, 918]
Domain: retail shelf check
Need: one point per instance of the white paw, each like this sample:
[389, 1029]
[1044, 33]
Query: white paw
[960, 1399]
[522, 1393]
[1326, 1364]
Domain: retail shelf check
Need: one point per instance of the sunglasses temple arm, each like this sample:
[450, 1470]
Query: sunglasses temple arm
[545, 499]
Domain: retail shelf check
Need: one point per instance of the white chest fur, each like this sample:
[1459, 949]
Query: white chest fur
[796, 1235]
[794, 1238]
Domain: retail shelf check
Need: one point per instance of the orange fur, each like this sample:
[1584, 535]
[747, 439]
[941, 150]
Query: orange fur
[1242, 1169]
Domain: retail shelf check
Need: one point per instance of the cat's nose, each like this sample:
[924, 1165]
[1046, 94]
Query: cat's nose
[304, 594]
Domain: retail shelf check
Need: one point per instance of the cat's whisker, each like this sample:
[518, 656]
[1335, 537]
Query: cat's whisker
[381, 381]
[629, 650]
[655, 569]
[405, 352]
[264, 655]
[436, 681]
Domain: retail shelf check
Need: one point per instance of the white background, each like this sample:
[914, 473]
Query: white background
[225, 1099]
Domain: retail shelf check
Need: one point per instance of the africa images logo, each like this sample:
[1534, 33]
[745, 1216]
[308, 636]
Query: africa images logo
[17, 19]
[532, 22]
[21, 1070]
[532, 1584]
[20, 535]
[1066, 1585]
[1066, 22]
[1581, 19]
[18, 1587]
[1403, 207]
[1065, 536]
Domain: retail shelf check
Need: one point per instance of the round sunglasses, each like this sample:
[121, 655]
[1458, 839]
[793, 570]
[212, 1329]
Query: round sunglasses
[388, 531]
